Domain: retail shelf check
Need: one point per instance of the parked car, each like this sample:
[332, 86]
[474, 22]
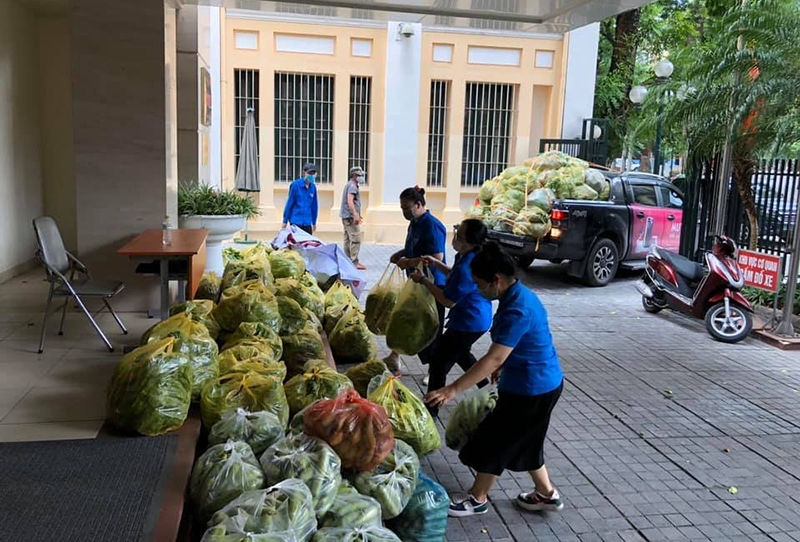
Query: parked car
[597, 237]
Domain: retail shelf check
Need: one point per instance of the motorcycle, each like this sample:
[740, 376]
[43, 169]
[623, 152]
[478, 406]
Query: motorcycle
[712, 292]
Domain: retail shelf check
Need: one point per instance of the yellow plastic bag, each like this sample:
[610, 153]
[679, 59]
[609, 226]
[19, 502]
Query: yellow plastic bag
[192, 339]
[340, 294]
[351, 340]
[318, 383]
[411, 421]
[256, 334]
[228, 363]
[252, 301]
[200, 311]
[250, 390]
[382, 299]
[414, 322]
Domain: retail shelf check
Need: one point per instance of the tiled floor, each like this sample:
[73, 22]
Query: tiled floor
[656, 425]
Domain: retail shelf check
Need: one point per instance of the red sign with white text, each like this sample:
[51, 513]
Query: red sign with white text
[762, 271]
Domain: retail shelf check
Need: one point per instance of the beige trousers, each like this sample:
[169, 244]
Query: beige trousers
[352, 239]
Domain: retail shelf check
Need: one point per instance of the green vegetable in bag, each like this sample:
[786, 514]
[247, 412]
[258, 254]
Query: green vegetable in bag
[310, 460]
[334, 313]
[293, 316]
[306, 298]
[351, 340]
[605, 193]
[259, 429]
[300, 348]
[414, 322]
[584, 192]
[297, 426]
[424, 519]
[340, 294]
[355, 534]
[151, 389]
[595, 180]
[250, 390]
[353, 510]
[200, 311]
[256, 334]
[381, 300]
[283, 510]
[192, 339]
[221, 474]
[534, 230]
[308, 280]
[249, 302]
[287, 263]
[488, 191]
[542, 198]
[476, 211]
[240, 271]
[361, 375]
[210, 287]
[313, 385]
[467, 416]
[393, 482]
[410, 419]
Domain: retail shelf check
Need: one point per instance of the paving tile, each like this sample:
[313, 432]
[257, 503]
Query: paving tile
[737, 417]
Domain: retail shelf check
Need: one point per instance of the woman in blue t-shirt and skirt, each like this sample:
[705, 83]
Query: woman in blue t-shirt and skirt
[524, 361]
[470, 314]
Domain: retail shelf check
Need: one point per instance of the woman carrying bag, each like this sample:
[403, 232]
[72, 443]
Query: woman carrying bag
[470, 313]
[524, 361]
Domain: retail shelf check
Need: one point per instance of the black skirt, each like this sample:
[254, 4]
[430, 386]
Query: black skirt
[512, 436]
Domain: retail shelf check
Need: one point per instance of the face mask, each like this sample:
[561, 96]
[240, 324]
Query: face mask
[488, 295]
[361, 179]
[456, 244]
[311, 178]
[408, 215]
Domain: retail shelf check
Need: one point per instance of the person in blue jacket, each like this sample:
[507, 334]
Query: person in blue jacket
[470, 314]
[302, 206]
[524, 360]
[426, 236]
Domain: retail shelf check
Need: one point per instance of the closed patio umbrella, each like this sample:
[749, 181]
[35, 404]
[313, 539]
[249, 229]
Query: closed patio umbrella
[247, 176]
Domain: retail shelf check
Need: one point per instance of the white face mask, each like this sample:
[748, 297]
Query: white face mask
[361, 179]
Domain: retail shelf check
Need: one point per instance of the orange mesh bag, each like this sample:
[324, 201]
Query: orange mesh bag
[358, 430]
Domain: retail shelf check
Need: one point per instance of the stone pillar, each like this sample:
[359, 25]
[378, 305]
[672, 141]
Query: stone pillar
[119, 134]
[580, 78]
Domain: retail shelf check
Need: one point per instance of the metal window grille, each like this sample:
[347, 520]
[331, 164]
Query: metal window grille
[502, 6]
[437, 131]
[359, 132]
[303, 125]
[316, 11]
[245, 95]
[444, 20]
[364, 14]
[488, 119]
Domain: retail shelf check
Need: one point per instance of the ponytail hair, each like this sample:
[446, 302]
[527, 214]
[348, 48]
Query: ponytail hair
[414, 194]
[475, 231]
[492, 260]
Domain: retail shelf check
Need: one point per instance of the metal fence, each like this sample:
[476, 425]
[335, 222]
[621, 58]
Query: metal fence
[593, 151]
[775, 188]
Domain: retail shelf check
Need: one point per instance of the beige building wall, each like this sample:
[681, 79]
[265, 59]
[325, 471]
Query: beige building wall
[20, 138]
[538, 111]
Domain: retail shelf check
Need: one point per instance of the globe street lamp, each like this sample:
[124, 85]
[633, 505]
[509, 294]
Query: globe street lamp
[663, 70]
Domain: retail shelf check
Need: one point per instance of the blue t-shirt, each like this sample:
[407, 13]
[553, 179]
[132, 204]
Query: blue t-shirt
[521, 324]
[426, 237]
[472, 312]
[302, 206]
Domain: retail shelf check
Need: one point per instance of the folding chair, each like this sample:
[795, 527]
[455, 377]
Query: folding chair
[61, 267]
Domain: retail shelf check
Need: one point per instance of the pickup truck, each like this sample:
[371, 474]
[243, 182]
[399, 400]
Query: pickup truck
[599, 237]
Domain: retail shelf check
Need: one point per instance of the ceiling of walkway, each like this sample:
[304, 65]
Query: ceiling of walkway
[525, 16]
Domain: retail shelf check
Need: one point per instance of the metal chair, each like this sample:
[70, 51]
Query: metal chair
[61, 267]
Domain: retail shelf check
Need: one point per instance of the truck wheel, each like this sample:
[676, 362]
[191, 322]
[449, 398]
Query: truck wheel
[602, 263]
[524, 262]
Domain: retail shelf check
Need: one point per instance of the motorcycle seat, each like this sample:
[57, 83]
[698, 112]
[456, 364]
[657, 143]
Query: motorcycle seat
[685, 267]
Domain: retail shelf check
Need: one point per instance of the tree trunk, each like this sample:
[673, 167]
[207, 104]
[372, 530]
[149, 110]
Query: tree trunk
[623, 61]
[744, 167]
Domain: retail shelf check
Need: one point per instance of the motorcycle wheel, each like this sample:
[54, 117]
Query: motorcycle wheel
[650, 305]
[729, 330]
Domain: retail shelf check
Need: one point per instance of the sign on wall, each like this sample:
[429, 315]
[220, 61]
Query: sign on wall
[760, 270]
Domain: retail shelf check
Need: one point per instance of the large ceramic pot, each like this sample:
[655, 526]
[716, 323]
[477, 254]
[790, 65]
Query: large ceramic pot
[221, 228]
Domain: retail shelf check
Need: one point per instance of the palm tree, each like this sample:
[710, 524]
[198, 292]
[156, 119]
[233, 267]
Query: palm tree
[746, 75]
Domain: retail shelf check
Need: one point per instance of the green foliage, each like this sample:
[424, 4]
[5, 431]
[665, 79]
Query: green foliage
[761, 298]
[201, 199]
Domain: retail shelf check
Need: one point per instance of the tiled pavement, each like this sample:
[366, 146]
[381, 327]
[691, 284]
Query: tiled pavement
[656, 425]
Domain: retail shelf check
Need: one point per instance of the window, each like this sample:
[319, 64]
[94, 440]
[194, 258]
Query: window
[488, 117]
[291, 7]
[437, 132]
[360, 106]
[444, 20]
[670, 198]
[303, 125]
[644, 195]
[245, 95]
[502, 6]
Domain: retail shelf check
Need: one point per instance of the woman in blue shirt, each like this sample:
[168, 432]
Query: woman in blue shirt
[470, 313]
[522, 357]
[426, 237]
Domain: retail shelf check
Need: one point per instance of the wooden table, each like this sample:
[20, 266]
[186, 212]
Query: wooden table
[187, 245]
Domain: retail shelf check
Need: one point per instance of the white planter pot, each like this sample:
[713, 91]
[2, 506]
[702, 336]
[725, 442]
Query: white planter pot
[220, 228]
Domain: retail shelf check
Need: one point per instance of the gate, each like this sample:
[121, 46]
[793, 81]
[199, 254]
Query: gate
[775, 188]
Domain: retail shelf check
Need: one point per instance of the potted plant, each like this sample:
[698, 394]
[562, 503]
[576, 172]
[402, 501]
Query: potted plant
[222, 212]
